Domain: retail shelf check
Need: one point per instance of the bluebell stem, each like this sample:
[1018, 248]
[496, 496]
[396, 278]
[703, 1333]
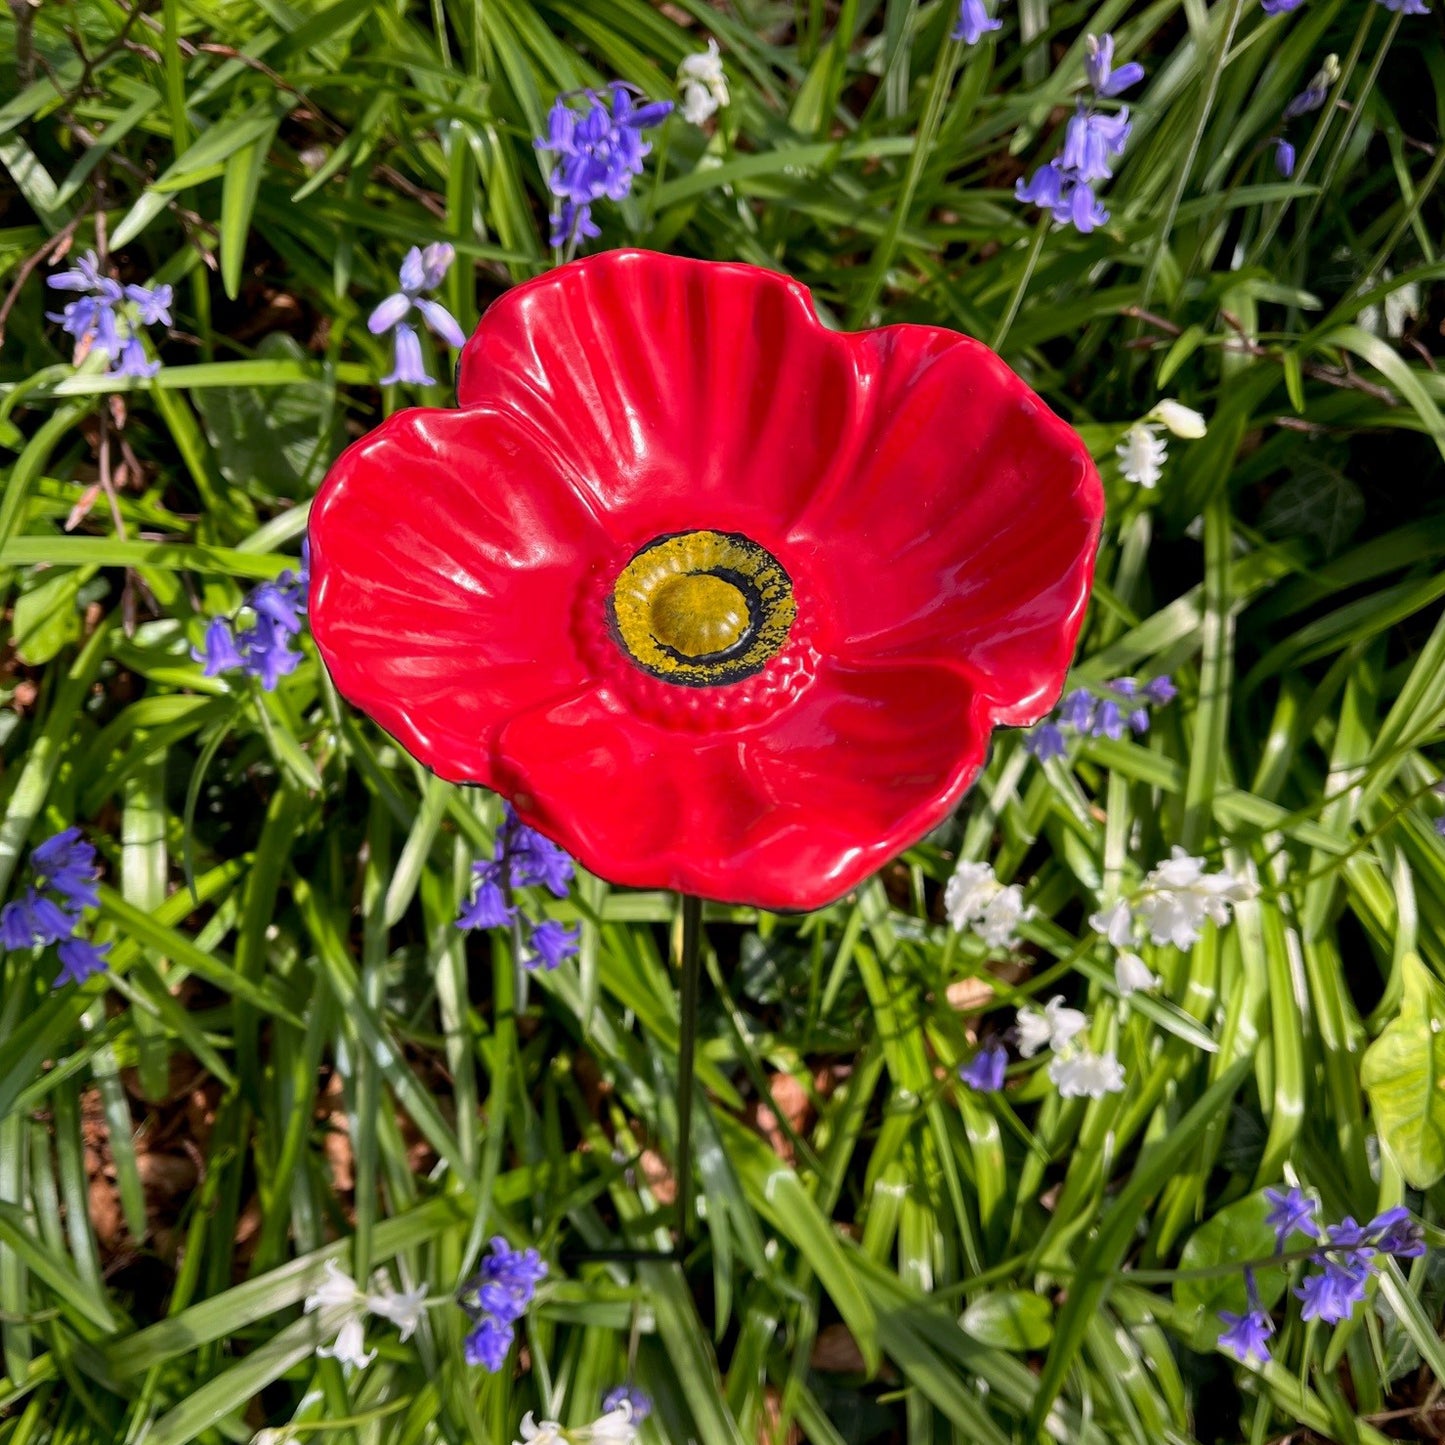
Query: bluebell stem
[973, 22]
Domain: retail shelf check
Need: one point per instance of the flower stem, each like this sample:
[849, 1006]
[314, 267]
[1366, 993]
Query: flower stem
[690, 968]
[1040, 236]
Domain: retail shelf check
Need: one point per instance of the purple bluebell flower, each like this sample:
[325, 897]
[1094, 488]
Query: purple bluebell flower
[1439, 825]
[16, 931]
[521, 858]
[488, 908]
[1407, 7]
[80, 959]
[1279, 7]
[1045, 741]
[1083, 209]
[537, 861]
[595, 154]
[1246, 1336]
[1099, 63]
[280, 604]
[550, 944]
[153, 303]
[133, 360]
[219, 651]
[1091, 140]
[33, 921]
[420, 270]
[639, 1401]
[49, 922]
[985, 1070]
[66, 864]
[1160, 690]
[1314, 95]
[264, 650]
[1077, 711]
[1125, 687]
[1044, 188]
[520, 1270]
[1331, 1295]
[573, 221]
[1108, 720]
[487, 1344]
[1291, 1211]
[1395, 1233]
[410, 366]
[1138, 721]
[266, 647]
[86, 276]
[496, 1297]
[973, 22]
[98, 316]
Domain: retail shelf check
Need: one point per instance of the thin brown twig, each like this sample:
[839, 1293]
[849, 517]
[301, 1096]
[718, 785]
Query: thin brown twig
[27, 268]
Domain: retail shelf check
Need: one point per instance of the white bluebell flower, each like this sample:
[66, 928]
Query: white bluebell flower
[1083, 1074]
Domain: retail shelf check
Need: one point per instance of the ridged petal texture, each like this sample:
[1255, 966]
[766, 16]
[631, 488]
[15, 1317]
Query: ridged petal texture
[938, 524]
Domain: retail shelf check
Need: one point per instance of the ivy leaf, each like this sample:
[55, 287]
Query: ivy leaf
[1404, 1074]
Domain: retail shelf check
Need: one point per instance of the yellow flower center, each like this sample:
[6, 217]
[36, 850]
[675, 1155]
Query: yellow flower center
[701, 608]
[699, 614]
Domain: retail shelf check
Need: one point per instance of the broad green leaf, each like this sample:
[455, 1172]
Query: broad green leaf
[1009, 1319]
[1403, 1072]
[274, 443]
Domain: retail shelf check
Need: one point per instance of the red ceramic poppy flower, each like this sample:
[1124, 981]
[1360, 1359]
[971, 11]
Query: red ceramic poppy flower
[722, 600]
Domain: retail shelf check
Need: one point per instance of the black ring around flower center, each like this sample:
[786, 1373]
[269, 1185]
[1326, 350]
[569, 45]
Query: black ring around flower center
[701, 608]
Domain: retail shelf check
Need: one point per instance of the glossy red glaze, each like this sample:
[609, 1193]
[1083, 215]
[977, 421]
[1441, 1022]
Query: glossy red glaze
[938, 522]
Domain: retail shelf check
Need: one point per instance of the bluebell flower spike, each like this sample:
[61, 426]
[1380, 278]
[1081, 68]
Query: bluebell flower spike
[102, 316]
[595, 155]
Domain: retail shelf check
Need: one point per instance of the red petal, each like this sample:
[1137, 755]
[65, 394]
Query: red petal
[789, 814]
[688, 394]
[962, 524]
[447, 548]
